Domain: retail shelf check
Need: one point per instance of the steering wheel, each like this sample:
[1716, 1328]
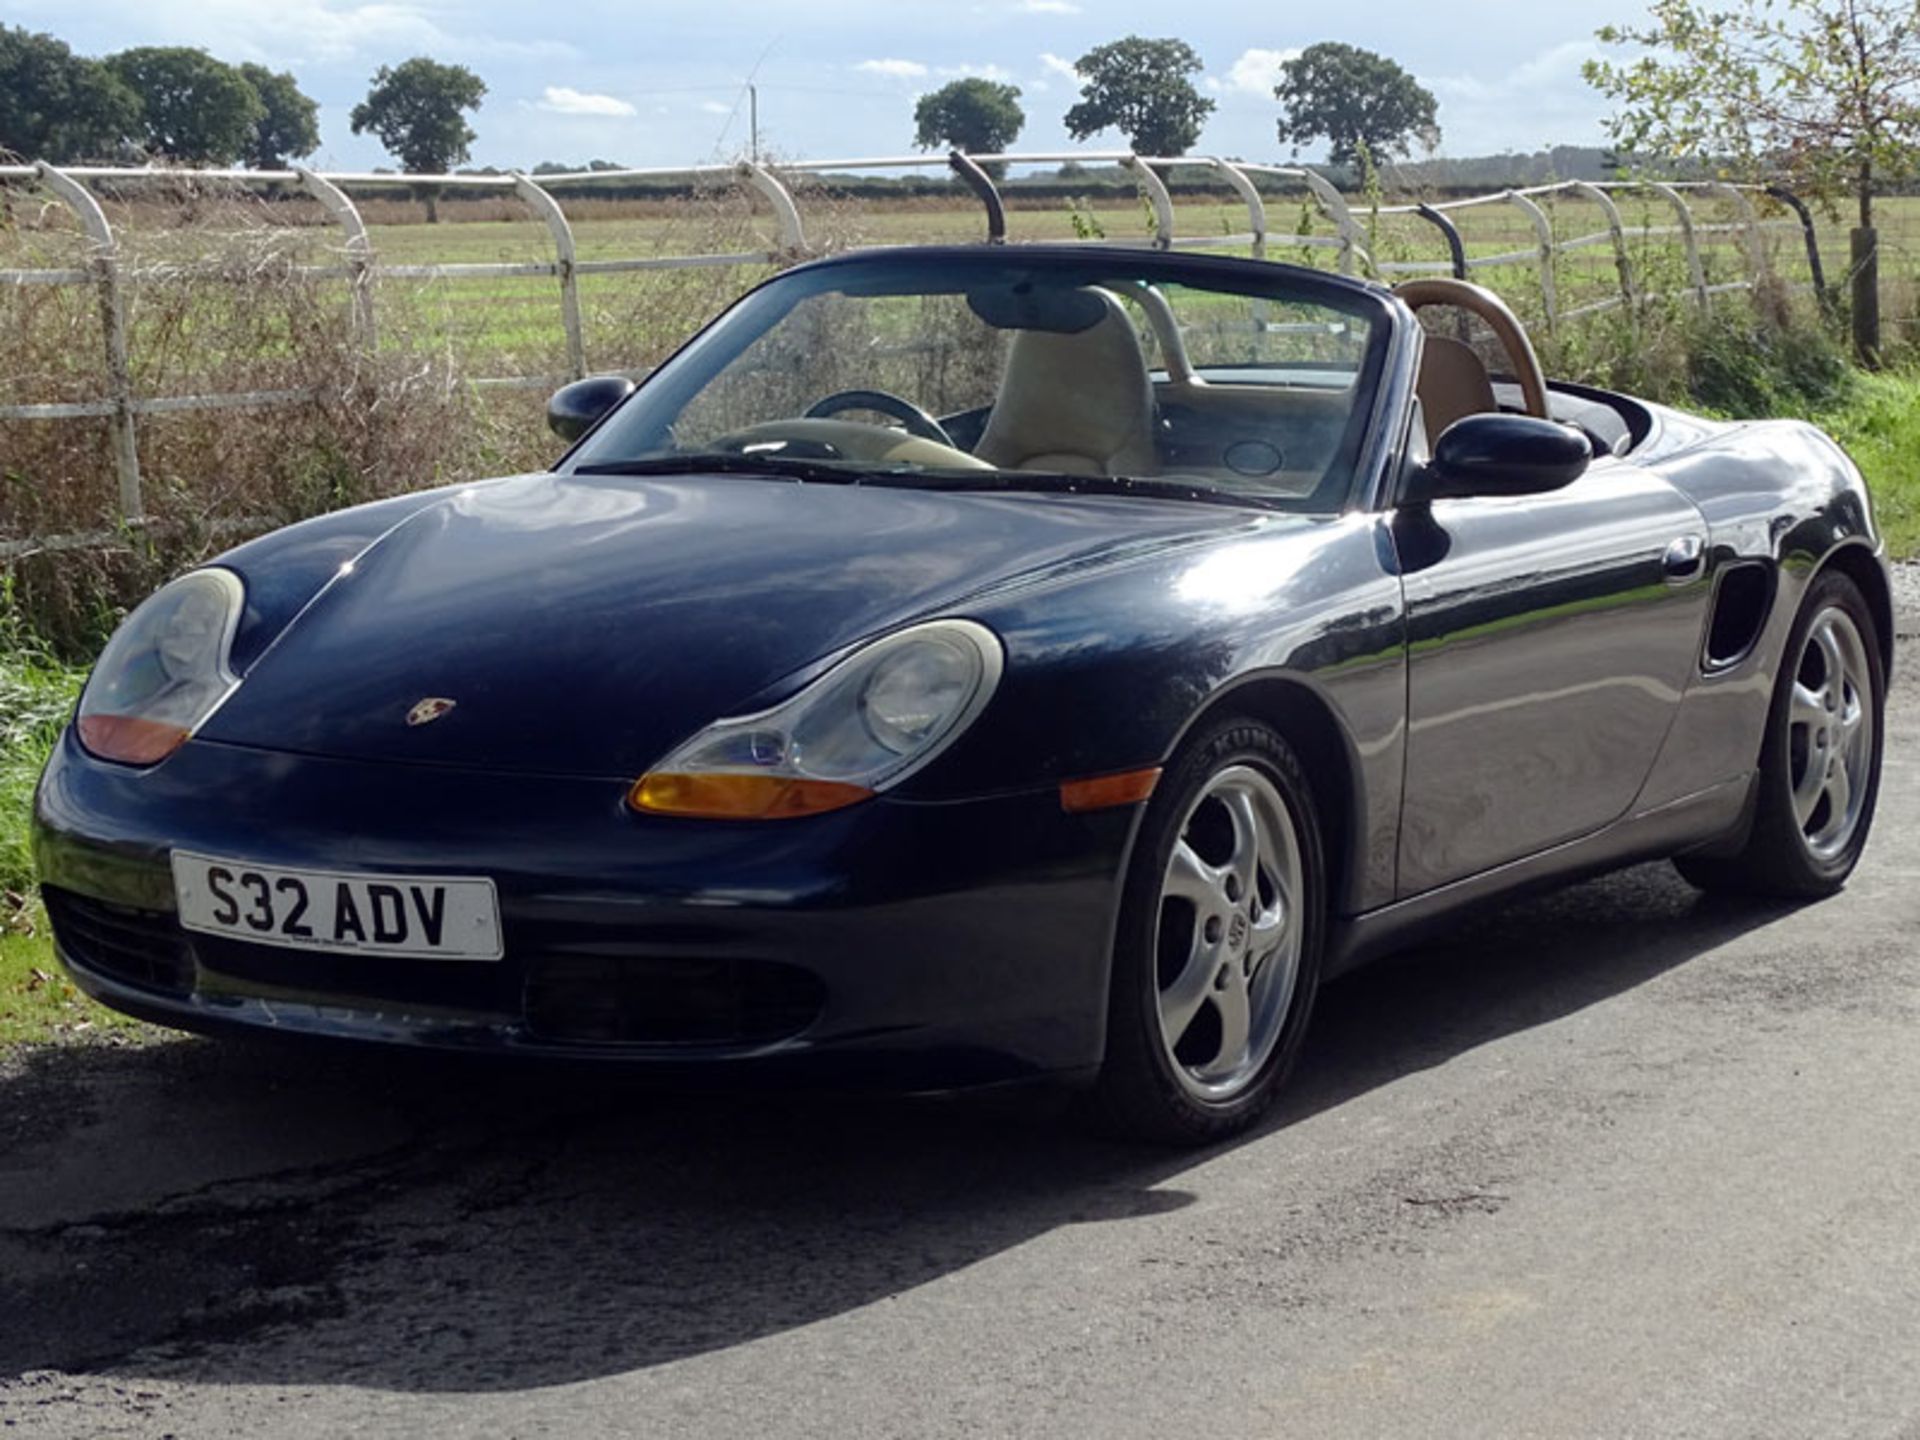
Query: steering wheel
[917, 421]
[1512, 335]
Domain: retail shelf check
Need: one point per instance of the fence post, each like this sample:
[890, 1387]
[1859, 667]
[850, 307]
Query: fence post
[1155, 190]
[1695, 270]
[1335, 204]
[1814, 268]
[359, 249]
[1456, 247]
[793, 239]
[1756, 243]
[1543, 230]
[1256, 207]
[1617, 228]
[1864, 251]
[977, 180]
[548, 209]
[105, 264]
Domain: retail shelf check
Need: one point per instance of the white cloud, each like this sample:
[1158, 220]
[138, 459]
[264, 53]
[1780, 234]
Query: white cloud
[893, 69]
[981, 72]
[302, 32]
[1255, 73]
[1477, 114]
[1063, 68]
[1545, 71]
[1047, 7]
[564, 101]
[715, 107]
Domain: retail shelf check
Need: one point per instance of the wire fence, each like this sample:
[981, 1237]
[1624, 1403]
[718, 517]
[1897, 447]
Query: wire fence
[1713, 239]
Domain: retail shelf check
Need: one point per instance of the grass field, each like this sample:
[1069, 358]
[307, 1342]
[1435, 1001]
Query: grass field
[413, 416]
[514, 312]
[37, 1002]
[498, 327]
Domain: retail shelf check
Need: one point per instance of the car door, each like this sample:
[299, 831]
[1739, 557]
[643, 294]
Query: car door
[1550, 638]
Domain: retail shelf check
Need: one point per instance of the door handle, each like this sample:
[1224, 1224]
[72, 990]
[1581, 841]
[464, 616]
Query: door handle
[1685, 560]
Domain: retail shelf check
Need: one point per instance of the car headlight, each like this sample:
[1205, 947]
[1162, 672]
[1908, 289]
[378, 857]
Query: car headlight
[165, 670]
[867, 724]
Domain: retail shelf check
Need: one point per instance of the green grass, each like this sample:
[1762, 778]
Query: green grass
[36, 694]
[37, 1002]
[1878, 424]
[40, 1006]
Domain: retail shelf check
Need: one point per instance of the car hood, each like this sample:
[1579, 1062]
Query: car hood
[586, 625]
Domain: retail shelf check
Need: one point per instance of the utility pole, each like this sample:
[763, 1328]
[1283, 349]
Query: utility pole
[753, 122]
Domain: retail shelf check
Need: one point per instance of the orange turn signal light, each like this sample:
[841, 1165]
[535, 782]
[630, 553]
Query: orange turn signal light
[130, 739]
[741, 797]
[1104, 792]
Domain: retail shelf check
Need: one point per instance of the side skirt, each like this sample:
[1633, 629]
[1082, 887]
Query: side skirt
[1698, 819]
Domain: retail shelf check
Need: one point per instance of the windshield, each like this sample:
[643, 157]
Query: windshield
[1100, 371]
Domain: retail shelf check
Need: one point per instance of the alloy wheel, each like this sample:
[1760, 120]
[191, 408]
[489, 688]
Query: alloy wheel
[1228, 935]
[1830, 734]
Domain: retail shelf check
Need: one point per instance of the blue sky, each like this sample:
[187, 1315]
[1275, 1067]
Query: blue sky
[658, 82]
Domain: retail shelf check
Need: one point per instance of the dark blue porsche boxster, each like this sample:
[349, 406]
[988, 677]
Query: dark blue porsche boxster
[967, 665]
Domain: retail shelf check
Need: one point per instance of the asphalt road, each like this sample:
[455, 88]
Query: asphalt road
[1618, 1161]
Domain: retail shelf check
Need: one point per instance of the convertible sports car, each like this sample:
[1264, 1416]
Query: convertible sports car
[958, 666]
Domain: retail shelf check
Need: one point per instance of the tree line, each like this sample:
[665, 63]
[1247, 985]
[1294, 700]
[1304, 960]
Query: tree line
[1360, 102]
[180, 104]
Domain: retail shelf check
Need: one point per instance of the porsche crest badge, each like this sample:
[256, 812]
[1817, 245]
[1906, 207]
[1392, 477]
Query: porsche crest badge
[429, 710]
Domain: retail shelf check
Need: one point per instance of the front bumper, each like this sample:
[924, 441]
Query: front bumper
[910, 944]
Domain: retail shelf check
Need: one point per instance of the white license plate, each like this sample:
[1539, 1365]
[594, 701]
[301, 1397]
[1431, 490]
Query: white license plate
[432, 917]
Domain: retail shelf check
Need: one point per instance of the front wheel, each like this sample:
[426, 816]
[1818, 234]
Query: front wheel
[1217, 958]
[1820, 764]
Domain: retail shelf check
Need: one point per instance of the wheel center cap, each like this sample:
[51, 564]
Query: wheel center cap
[1237, 930]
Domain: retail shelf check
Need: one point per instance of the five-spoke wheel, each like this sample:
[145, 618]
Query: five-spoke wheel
[1218, 954]
[1227, 947]
[1820, 764]
[1831, 732]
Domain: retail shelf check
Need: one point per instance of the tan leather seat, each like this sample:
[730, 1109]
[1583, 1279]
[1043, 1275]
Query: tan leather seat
[1453, 383]
[1081, 404]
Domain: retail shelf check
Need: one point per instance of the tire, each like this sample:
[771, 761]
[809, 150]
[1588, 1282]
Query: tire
[1215, 939]
[1820, 762]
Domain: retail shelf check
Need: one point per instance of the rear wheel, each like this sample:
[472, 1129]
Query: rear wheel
[1820, 766]
[1218, 956]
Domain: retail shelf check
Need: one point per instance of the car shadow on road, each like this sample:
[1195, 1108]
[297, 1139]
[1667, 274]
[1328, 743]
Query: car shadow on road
[237, 1214]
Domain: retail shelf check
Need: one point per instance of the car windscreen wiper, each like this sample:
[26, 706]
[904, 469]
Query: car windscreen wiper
[730, 462]
[916, 477]
[1061, 483]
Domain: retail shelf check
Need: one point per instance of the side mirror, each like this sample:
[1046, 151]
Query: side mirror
[575, 409]
[1502, 455]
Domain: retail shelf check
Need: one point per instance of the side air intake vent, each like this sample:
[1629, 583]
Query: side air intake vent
[1740, 604]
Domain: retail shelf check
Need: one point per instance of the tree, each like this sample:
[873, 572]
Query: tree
[1827, 91]
[1141, 88]
[979, 116]
[1356, 100]
[289, 126]
[1823, 92]
[193, 108]
[416, 110]
[58, 106]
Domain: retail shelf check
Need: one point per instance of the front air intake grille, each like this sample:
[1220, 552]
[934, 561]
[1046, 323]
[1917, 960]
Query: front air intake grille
[636, 1000]
[379, 982]
[136, 947]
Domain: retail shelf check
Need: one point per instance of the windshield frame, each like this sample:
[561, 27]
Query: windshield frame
[666, 392]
